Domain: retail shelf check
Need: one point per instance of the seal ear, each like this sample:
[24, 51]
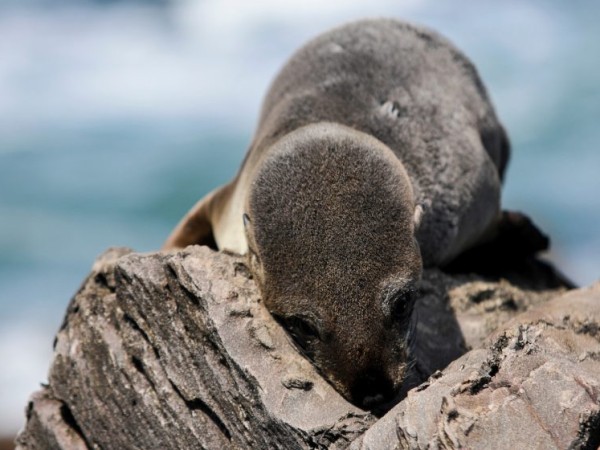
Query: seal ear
[418, 215]
[253, 258]
[249, 233]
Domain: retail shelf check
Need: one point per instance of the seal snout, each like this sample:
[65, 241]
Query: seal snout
[372, 389]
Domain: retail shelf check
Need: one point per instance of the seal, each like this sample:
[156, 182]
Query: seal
[377, 152]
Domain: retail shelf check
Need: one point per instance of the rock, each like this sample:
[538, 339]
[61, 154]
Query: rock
[177, 351]
[534, 384]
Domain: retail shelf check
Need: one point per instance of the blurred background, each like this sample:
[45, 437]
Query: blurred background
[116, 116]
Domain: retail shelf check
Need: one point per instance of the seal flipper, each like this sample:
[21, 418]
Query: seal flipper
[515, 237]
[511, 253]
[196, 227]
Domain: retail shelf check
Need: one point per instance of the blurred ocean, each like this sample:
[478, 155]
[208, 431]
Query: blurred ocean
[115, 117]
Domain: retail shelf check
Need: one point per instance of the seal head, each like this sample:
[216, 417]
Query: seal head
[331, 238]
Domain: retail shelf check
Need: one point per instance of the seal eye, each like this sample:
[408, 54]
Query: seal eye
[403, 306]
[300, 329]
[303, 327]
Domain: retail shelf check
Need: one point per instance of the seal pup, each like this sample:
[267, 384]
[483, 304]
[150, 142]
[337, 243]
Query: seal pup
[377, 152]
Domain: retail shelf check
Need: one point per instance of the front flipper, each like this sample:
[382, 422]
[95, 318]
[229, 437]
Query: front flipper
[511, 253]
[196, 227]
[518, 237]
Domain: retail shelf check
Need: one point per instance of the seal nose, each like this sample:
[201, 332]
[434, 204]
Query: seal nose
[371, 389]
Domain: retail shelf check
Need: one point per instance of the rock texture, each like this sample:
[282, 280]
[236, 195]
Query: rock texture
[533, 384]
[177, 351]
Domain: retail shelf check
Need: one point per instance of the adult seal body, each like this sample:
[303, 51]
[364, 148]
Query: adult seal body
[377, 152]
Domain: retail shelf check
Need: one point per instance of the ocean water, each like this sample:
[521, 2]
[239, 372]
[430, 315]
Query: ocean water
[115, 117]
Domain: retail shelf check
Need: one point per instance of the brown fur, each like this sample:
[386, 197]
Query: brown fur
[377, 152]
[333, 245]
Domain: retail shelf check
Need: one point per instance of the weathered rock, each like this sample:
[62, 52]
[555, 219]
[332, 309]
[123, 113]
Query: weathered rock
[534, 384]
[177, 351]
[456, 313]
[50, 425]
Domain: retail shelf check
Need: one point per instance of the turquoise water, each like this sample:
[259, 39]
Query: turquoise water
[115, 119]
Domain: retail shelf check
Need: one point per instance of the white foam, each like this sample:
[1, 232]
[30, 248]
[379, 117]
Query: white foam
[84, 64]
[199, 59]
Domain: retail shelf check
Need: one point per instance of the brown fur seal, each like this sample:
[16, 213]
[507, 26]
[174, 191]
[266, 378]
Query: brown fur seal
[377, 152]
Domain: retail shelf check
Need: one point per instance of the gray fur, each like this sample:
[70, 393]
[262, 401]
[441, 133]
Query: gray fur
[366, 127]
[415, 92]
